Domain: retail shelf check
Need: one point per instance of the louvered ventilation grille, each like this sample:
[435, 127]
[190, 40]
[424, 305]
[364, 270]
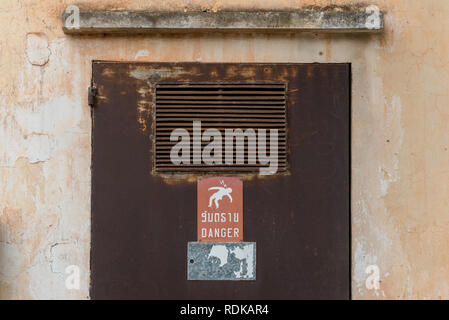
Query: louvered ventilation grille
[220, 106]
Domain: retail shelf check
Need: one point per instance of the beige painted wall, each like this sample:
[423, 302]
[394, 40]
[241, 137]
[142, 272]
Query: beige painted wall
[400, 118]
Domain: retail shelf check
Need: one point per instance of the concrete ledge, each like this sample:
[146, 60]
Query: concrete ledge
[312, 19]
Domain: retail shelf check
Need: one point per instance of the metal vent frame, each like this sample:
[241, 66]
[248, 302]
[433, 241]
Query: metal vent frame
[242, 102]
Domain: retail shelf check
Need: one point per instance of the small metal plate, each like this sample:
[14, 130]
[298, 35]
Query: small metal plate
[221, 261]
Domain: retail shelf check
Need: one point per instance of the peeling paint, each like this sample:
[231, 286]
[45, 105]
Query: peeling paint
[34, 133]
[38, 51]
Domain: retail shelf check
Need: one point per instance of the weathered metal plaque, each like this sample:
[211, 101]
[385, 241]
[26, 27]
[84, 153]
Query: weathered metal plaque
[220, 209]
[221, 261]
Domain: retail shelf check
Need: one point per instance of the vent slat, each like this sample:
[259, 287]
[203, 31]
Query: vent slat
[220, 106]
[166, 159]
[219, 102]
[221, 86]
[212, 169]
[169, 146]
[167, 132]
[202, 111]
[168, 164]
[162, 151]
[171, 98]
[193, 116]
[227, 108]
[163, 93]
[229, 124]
[218, 120]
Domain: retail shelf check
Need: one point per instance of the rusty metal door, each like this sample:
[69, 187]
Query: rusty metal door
[142, 218]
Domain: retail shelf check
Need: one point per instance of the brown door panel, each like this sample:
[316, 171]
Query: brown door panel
[142, 220]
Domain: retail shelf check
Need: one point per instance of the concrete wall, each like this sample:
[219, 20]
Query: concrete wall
[400, 119]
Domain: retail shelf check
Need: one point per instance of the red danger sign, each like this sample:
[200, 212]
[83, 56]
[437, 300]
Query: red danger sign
[220, 209]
